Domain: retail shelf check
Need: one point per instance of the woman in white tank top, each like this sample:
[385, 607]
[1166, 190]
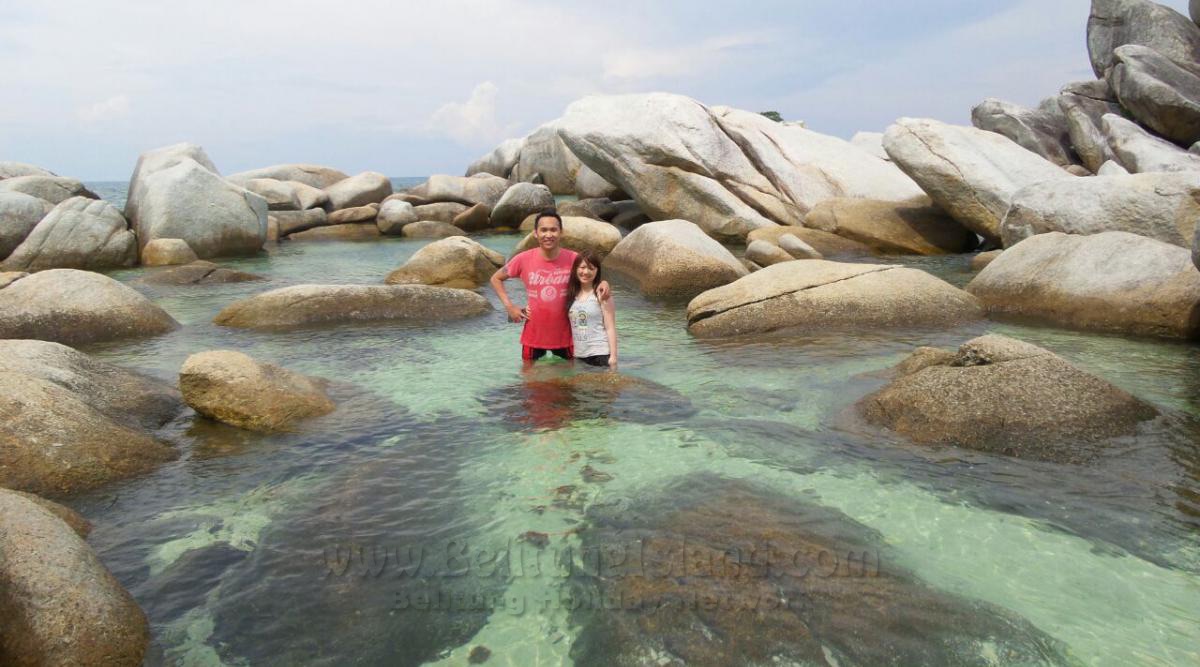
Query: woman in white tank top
[593, 323]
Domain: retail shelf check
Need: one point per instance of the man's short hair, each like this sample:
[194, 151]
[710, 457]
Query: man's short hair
[548, 213]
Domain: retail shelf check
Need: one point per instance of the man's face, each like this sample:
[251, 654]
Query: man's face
[548, 233]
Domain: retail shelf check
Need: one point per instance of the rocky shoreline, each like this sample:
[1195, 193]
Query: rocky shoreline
[1082, 213]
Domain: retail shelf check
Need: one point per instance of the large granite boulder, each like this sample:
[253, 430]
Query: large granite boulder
[10, 169]
[1111, 281]
[826, 243]
[500, 161]
[73, 423]
[1042, 130]
[1160, 94]
[470, 190]
[60, 605]
[1140, 152]
[190, 202]
[294, 222]
[441, 211]
[674, 258]
[431, 229]
[312, 175]
[1194, 10]
[819, 295]
[456, 261]
[1004, 396]
[80, 233]
[1163, 206]
[871, 142]
[671, 155]
[284, 195]
[520, 201]
[908, 228]
[369, 187]
[764, 253]
[590, 185]
[393, 215]
[474, 219]
[1084, 104]
[167, 252]
[599, 209]
[970, 173]
[19, 214]
[233, 388]
[54, 189]
[1113, 23]
[581, 234]
[306, 305]
[344, 216]
[545, 156]
[78, 307]
[157, 160]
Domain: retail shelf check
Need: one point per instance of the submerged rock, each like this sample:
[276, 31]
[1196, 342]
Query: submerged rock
[75, 307]
[72, 423]
[79, 233]
[674, 257]
[1005, 396]
[303, 305]
[199, 272]
[581, 234]
[906, 228]
[554, 402]
[1111, 281]
[720, 572]
[1162, 206]
[231, 387]
[970, 173]
[456, 261]
[817, 295]
[60, 605]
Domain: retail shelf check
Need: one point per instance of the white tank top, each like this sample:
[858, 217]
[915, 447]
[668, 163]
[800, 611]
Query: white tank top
[587, 327]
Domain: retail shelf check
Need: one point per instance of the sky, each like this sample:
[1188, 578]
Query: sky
[411, 89]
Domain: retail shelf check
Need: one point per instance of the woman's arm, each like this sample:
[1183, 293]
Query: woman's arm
[609, 310]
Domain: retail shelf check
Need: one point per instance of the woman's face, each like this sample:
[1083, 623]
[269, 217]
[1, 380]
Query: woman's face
[586, 273]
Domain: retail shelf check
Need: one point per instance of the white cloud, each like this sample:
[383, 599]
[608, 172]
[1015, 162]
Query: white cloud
[473, 122]
[109, 109]
[649, 63]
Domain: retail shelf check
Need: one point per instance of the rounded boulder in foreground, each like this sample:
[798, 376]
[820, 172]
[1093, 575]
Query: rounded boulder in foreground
[456, 261]
[581, 234]
[308, 305]
[233, 388]
[819, 295]
[674, 257]
[77, 307]
[1005, 396]
[59, 603]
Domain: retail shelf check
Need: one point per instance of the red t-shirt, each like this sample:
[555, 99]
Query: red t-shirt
[546, 288]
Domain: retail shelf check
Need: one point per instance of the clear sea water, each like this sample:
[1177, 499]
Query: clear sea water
[297, 548]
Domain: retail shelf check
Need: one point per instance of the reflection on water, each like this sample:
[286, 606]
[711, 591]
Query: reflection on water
[300, 547]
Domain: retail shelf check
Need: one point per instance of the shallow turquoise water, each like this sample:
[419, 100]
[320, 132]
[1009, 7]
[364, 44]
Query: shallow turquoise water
[291, 548]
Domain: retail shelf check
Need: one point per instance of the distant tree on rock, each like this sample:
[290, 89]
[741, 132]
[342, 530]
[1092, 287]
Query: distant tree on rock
[773, 115]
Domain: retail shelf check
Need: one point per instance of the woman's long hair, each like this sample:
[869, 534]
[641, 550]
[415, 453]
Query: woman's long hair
[573, 285]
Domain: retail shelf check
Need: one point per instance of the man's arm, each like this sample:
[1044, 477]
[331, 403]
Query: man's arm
[514, 314]
[602, 291]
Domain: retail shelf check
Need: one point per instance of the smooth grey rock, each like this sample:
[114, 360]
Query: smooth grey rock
[500, 161]
[9, 169]
[765, 253]
[313, 175]
[1162, 206]
[1114, 23]
[67, 607]
[306, 305]
[54, 189]
[187, 201]
[1042, 130]
[819, 295]
[285, 195]
[871, 142]
[441, 211]
[970, 173]
[675, 258]
[79, 233]
[393, 215]
[1111, 281]
[1111, 168]
[19, 214]
[154, 161]
[483, 189]
[1083, 104]
[590, 185]
[456, 261]
[294, 222]
[543, 154]
[519, 201]
[1160, 94]
[369, 187]
[1140, 152]
[77, 307]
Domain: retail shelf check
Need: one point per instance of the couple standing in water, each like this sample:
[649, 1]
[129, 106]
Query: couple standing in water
[570, 313]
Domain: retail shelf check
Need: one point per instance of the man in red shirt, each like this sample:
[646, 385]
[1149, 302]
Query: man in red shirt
[545, 271]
